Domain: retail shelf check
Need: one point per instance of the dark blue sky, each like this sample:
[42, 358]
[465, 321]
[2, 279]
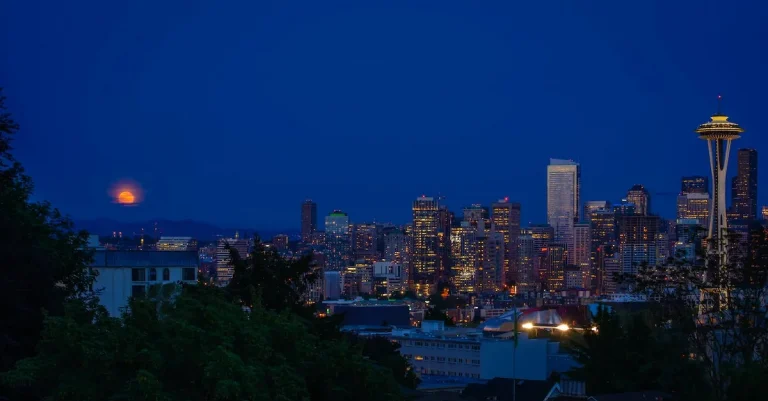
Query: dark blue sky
[234, 112]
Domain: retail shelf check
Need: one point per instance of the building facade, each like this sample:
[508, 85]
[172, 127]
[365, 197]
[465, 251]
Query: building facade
[425, 261]
[338, 240]
[308, 220]
[176, 244]
[224, 247]
[563, 188]
[744, 186]
[505, 219]
[640, 197]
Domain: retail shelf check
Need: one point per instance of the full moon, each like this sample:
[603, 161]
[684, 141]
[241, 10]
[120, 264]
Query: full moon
[126, 198]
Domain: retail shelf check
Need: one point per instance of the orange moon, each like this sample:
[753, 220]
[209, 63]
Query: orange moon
[126, 198]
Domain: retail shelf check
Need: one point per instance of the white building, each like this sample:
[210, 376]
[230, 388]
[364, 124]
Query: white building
[389, 276]
[125, 274]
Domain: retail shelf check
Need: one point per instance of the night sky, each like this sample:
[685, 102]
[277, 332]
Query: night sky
[234, 112]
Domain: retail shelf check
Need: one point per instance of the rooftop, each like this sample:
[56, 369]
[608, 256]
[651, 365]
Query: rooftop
[144, 259]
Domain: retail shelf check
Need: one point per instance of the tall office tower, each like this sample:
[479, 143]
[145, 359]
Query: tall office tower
[640, 197]
[555, 260]
[695, 184]
[765, 213]
[563, 183]
[396, 246]
[719, 132]
[582, 252]
[637, 241]
[477, 216]
[224, 268]
[592, 206]
[526, 257]
[603, 228]
[662, 247]
[337, 240]
[424, 260]
[464, 257]
[308, 220]
[505, 219]
[541, 236]
[444, 222]
[744, 188]
[365, 242]
[694, 205]
[176, 244]
[490, 273]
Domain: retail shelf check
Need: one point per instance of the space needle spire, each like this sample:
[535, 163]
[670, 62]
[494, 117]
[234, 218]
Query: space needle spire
[718, 132]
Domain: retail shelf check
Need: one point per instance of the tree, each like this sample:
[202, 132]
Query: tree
[277, 283]
[718, 307]
[196, 346]
[437, 314]
[42, 259]
[385, 354]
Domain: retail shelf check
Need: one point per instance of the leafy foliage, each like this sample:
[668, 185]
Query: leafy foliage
[198, 347]
[42, 259]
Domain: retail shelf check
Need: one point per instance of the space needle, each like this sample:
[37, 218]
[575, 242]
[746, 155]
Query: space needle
[719, 132]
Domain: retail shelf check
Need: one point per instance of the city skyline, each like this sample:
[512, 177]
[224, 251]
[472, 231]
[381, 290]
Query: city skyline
[135, 98]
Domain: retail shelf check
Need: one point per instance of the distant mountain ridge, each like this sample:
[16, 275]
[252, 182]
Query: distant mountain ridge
[182, 228]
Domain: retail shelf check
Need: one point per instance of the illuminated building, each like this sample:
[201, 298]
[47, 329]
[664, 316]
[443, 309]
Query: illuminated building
[337, 240]
[744, 187]
[582, 253]
[464, 257]
[662, 247]
[280, 241]
[365, 241]
[424, 260]
[176, 244]
[610, 267]
[640, 197]
[541, 236]
[396, 245]
[388, 278]
[719, 132]
[444, 222]
[224, 268]
[477, 216]
[694, 205]
[624, 208]
[527, 254]
[563, 183]
[490, 273]
[765, 213]
[637, 241]
[573, 277]
[505, 219]
[555, 260]
[592, 206]
[308, 220]
[603, 224]
[696, 184]
[357, 279]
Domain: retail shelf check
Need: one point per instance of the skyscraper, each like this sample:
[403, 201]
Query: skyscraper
[444, 222]
[765, 213]
[337, 240]
[308, 220]
[591, 206]
[490, 272]
[695, 184]
[425, 261]
[582, 252]
[694, 205]
[555, 260]
[637, 241]
[464, 256]
[505, 219]
[744, 187]
[365, 241]
[640, 197]
[563, 183]
[719, 132]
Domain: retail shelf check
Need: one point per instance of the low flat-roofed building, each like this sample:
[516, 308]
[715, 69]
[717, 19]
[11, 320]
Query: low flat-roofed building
[123, 274]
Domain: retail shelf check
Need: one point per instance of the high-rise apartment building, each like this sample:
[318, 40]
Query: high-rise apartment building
[396, 246]
[582, 252]
[464, 257]
[696, 184]
[563, 184]
[478, 217]
[505, 220]
[444, 222]
[425, 260]
[527, 254]
[637, 241]
[338, 240]
[744, 186]
[592, 206]
[224, 268]
[490, 274]
[308, 220]
[640, 197]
